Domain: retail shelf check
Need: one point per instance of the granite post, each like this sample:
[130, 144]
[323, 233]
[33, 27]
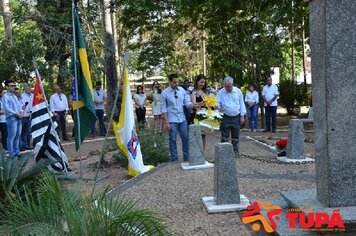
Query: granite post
[295, 147]
[226, 196]
[196, 155]
[333, 47]
[226, 189]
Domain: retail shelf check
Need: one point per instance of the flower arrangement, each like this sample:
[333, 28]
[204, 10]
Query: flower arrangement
[281, 146]
[208, 117]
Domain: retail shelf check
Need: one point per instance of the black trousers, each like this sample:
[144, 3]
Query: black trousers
[231, 124]
[61, 121]
[141, 115]
[3, 130]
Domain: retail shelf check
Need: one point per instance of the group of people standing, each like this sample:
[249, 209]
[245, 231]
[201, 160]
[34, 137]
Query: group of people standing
[15, 115]
[177, 107]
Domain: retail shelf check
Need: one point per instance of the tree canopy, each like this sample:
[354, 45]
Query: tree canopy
[244, 39]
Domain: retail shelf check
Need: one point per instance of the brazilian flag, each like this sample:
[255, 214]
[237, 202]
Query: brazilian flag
[85, 106]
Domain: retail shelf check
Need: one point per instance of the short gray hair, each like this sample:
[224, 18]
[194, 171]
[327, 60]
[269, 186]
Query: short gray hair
[228, 80]
[26, 86]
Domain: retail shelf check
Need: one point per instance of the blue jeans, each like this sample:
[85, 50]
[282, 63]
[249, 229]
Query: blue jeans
[100, 114]
[182, 128]
[271, 112]
[26, 134]
[252, 113]
[14, 126]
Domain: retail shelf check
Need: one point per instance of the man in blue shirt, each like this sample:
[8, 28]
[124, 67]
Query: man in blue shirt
[14, 114]
[231, 104]
[173, 99]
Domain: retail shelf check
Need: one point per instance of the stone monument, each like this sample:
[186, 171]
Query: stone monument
[333, 47]
[226, 191]
[295, 147]
[196, 153]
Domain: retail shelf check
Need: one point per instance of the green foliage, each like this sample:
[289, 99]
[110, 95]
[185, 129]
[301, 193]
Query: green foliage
[13, 174]
[292, 95]
[53, 211]
[154, 149]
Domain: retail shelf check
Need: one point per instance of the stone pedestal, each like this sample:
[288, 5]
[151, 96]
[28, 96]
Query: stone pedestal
[333, 46]
[226, 191]
[295, 147]
[196, 153]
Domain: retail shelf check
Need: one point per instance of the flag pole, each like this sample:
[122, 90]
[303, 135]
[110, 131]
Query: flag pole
[76, 92]
[50, 115]
[126, 58]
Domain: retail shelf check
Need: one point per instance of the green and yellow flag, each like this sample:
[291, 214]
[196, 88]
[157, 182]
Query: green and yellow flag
[85, 106]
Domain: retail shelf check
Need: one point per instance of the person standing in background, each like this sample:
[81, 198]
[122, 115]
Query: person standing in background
[59, 108]
[251, 100]
[99, 99]
[3, 127]
[26, 100]
[188, 89]
[155, 105]
[140, 100]
[14, 114]
[270, 94]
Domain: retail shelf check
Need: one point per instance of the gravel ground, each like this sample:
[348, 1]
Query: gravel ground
[176, 195]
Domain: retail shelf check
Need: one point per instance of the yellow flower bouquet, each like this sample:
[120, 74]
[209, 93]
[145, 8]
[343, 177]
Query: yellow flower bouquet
[206, 116]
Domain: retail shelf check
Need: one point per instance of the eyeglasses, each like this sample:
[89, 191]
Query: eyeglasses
[175, 94]
[98, 93]
[12, 85]
[60, 98]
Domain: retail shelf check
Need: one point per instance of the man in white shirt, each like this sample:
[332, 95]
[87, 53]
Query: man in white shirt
[99, 98]
[231, 104]
[26, 100]
[270, 94]
[59, 108]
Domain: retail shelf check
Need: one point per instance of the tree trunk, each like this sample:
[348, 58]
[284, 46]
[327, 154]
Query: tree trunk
[7, 20]
[110, 62]
[61, 69]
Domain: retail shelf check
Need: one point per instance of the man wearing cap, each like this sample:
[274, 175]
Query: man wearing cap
[26, 100]
[59, 108]
[231, 104]
[99, 98]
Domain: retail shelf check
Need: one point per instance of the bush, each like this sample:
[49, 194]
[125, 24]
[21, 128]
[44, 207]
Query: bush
[154, 148]
[292, 95]
[14, 173]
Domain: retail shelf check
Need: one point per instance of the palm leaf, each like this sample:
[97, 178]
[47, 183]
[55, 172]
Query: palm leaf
[66, 212]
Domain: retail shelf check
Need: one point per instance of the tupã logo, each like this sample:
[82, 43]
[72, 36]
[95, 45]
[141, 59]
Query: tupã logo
[253, 215]
[133, 144]
[310, 221]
